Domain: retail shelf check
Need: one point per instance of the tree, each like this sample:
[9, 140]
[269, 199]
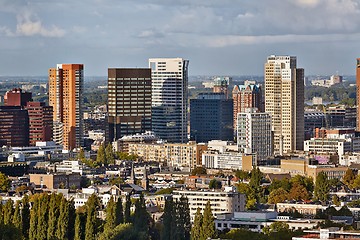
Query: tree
[109, 153]
[42, 215]
[110, 215]
[79, 226]
[306, 182]
[277, 195]
[214, 184]
[255, 184]
[81, 154]
[242, 175]
[183, 223]
[101, 156]
[8, 211]
[278, 231]
[198, 171]
[53, 215]
[349, 177]
[335, 200]
[196, 230]
[283, 183]
[92, 223]
[25, 215]
[124, 232]
[141, 218]
[4, 182]
[33, 219]
[169, 219]
[119, 213]
[127, 216]
[298, 192]
[208, 226]
[17, 216]
[321, 191]
[356, 183]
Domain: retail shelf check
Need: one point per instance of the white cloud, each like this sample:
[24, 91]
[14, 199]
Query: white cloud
[29, 24]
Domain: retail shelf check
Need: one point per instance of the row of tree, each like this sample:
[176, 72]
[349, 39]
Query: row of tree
[54, 217]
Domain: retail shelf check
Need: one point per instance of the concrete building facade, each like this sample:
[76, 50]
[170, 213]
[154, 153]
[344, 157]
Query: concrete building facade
[225, 201]
[254, 133]
[284, 100]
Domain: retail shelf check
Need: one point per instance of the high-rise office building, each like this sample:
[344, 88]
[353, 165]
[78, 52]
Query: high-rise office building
[40, 122]
[169, 98]
[129, 101]
[211, 118]
[65, 96]
[358, 94]
[284, 100]
[254, 133]
[14, 126]
[246, 96]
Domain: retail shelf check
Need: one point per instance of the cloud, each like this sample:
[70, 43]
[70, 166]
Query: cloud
[150, 33]
[29, 24]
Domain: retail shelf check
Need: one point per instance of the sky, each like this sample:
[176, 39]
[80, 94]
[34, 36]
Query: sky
[218, 37]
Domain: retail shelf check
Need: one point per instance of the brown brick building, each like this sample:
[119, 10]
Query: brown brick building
[129, 101]
[54, 180]
[14, 126]
[246, 96]
[40, 122]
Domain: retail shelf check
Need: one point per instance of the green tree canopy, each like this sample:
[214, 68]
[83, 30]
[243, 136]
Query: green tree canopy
[4, 182]
[321, 191]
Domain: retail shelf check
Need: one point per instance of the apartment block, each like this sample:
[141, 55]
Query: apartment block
[40, 122]
[66, 84]
[246, 96]
[254, 133]
[172, 154]
[225, 201]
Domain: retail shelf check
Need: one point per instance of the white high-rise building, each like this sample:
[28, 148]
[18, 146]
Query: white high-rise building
[254, 135]
[284, 100]
[169, 98]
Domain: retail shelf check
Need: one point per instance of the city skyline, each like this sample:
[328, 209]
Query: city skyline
[219, 38]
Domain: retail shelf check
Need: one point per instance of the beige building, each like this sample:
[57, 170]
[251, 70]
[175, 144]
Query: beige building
[53, 181]
[224, 201]
[301, 167]
[65, 96]
[173, 154]
[284, 100]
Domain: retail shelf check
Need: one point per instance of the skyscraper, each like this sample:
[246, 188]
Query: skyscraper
[211, 118]
[65, 96]
[17, 97]
[358, 94]
[169, 98]
[129, 101]
[284, 100]
[246, 96]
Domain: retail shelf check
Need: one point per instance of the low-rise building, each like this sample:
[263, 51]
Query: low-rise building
[225, 201]
[180, 155]
[56, 180]
[228, 160]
